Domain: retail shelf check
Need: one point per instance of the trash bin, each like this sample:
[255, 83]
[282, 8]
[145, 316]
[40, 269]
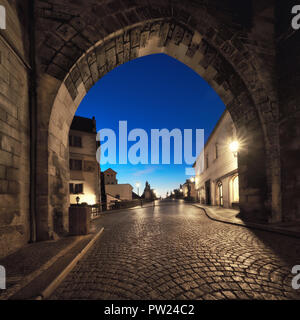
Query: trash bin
[79, 220]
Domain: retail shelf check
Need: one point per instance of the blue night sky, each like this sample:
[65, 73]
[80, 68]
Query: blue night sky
[153, 92]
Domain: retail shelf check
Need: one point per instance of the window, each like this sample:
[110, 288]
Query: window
[79, 188]
[75, 164]
[76, 188]
[217, 151]
[235, 189]
[206, 161]
[75, 141]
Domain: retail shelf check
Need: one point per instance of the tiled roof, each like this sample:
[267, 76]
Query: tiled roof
[84, 124]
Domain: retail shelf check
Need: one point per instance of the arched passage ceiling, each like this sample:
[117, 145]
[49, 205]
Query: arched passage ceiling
[174, 39]
[68, 29]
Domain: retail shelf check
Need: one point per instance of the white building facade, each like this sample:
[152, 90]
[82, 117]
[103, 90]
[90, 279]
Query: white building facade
[216, 168]
[113, 189]
[120, 191]
[84, 168]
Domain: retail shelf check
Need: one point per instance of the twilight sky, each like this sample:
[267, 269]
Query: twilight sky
[153, 92]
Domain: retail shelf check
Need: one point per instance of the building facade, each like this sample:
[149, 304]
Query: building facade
[120, 191]
[216, 168]
[84, 168]
[110, 176]
[189, 190]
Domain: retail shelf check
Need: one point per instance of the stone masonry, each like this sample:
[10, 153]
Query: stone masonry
[245, 50]
[14, 136]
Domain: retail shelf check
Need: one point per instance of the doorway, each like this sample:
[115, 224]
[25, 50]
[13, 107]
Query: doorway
[220, 194]
[207, 193]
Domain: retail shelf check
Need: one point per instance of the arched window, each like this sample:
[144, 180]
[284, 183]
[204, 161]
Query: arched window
[235, 189]
[220, 193]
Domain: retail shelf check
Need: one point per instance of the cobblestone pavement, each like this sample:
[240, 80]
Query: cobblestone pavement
[173, 251]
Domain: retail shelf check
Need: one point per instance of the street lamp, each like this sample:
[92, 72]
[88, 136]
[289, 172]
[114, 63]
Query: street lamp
[138, 188]
[192, 179]
[234, 147]
[154, 193]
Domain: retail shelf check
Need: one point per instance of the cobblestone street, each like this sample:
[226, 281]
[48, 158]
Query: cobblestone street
[173, 251]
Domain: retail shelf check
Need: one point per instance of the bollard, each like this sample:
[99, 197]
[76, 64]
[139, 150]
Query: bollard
[79, 220]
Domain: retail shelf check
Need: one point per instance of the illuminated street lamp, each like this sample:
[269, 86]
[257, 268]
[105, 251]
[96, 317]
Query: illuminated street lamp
[138, 188]
[192, 179]
[155, 194]
[234, 147]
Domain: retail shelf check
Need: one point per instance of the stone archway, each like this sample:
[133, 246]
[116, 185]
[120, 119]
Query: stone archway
[45, 39]
[209, 48]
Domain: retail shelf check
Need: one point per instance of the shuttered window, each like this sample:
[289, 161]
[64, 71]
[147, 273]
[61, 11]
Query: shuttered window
[75, 164]
[76, 188]
[75, 141]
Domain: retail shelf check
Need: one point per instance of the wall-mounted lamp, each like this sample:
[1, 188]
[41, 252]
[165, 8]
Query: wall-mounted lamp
[234, 147]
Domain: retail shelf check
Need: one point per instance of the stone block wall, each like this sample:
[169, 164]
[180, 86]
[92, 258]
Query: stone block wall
[230, 45]
[14, 136]
[288, 62]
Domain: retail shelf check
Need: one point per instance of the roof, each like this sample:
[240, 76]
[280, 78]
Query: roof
[212, 133]
[84, 124]
[216, 126]
[109, 170]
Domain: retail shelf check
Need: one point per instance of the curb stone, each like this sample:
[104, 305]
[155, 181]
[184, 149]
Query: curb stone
[59, 279]
[252, 225]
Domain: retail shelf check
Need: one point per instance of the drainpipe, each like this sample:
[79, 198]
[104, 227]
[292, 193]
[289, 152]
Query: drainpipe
[33, 118]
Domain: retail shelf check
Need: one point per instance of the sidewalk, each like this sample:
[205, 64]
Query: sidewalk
[231, 216]
[32, 268]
